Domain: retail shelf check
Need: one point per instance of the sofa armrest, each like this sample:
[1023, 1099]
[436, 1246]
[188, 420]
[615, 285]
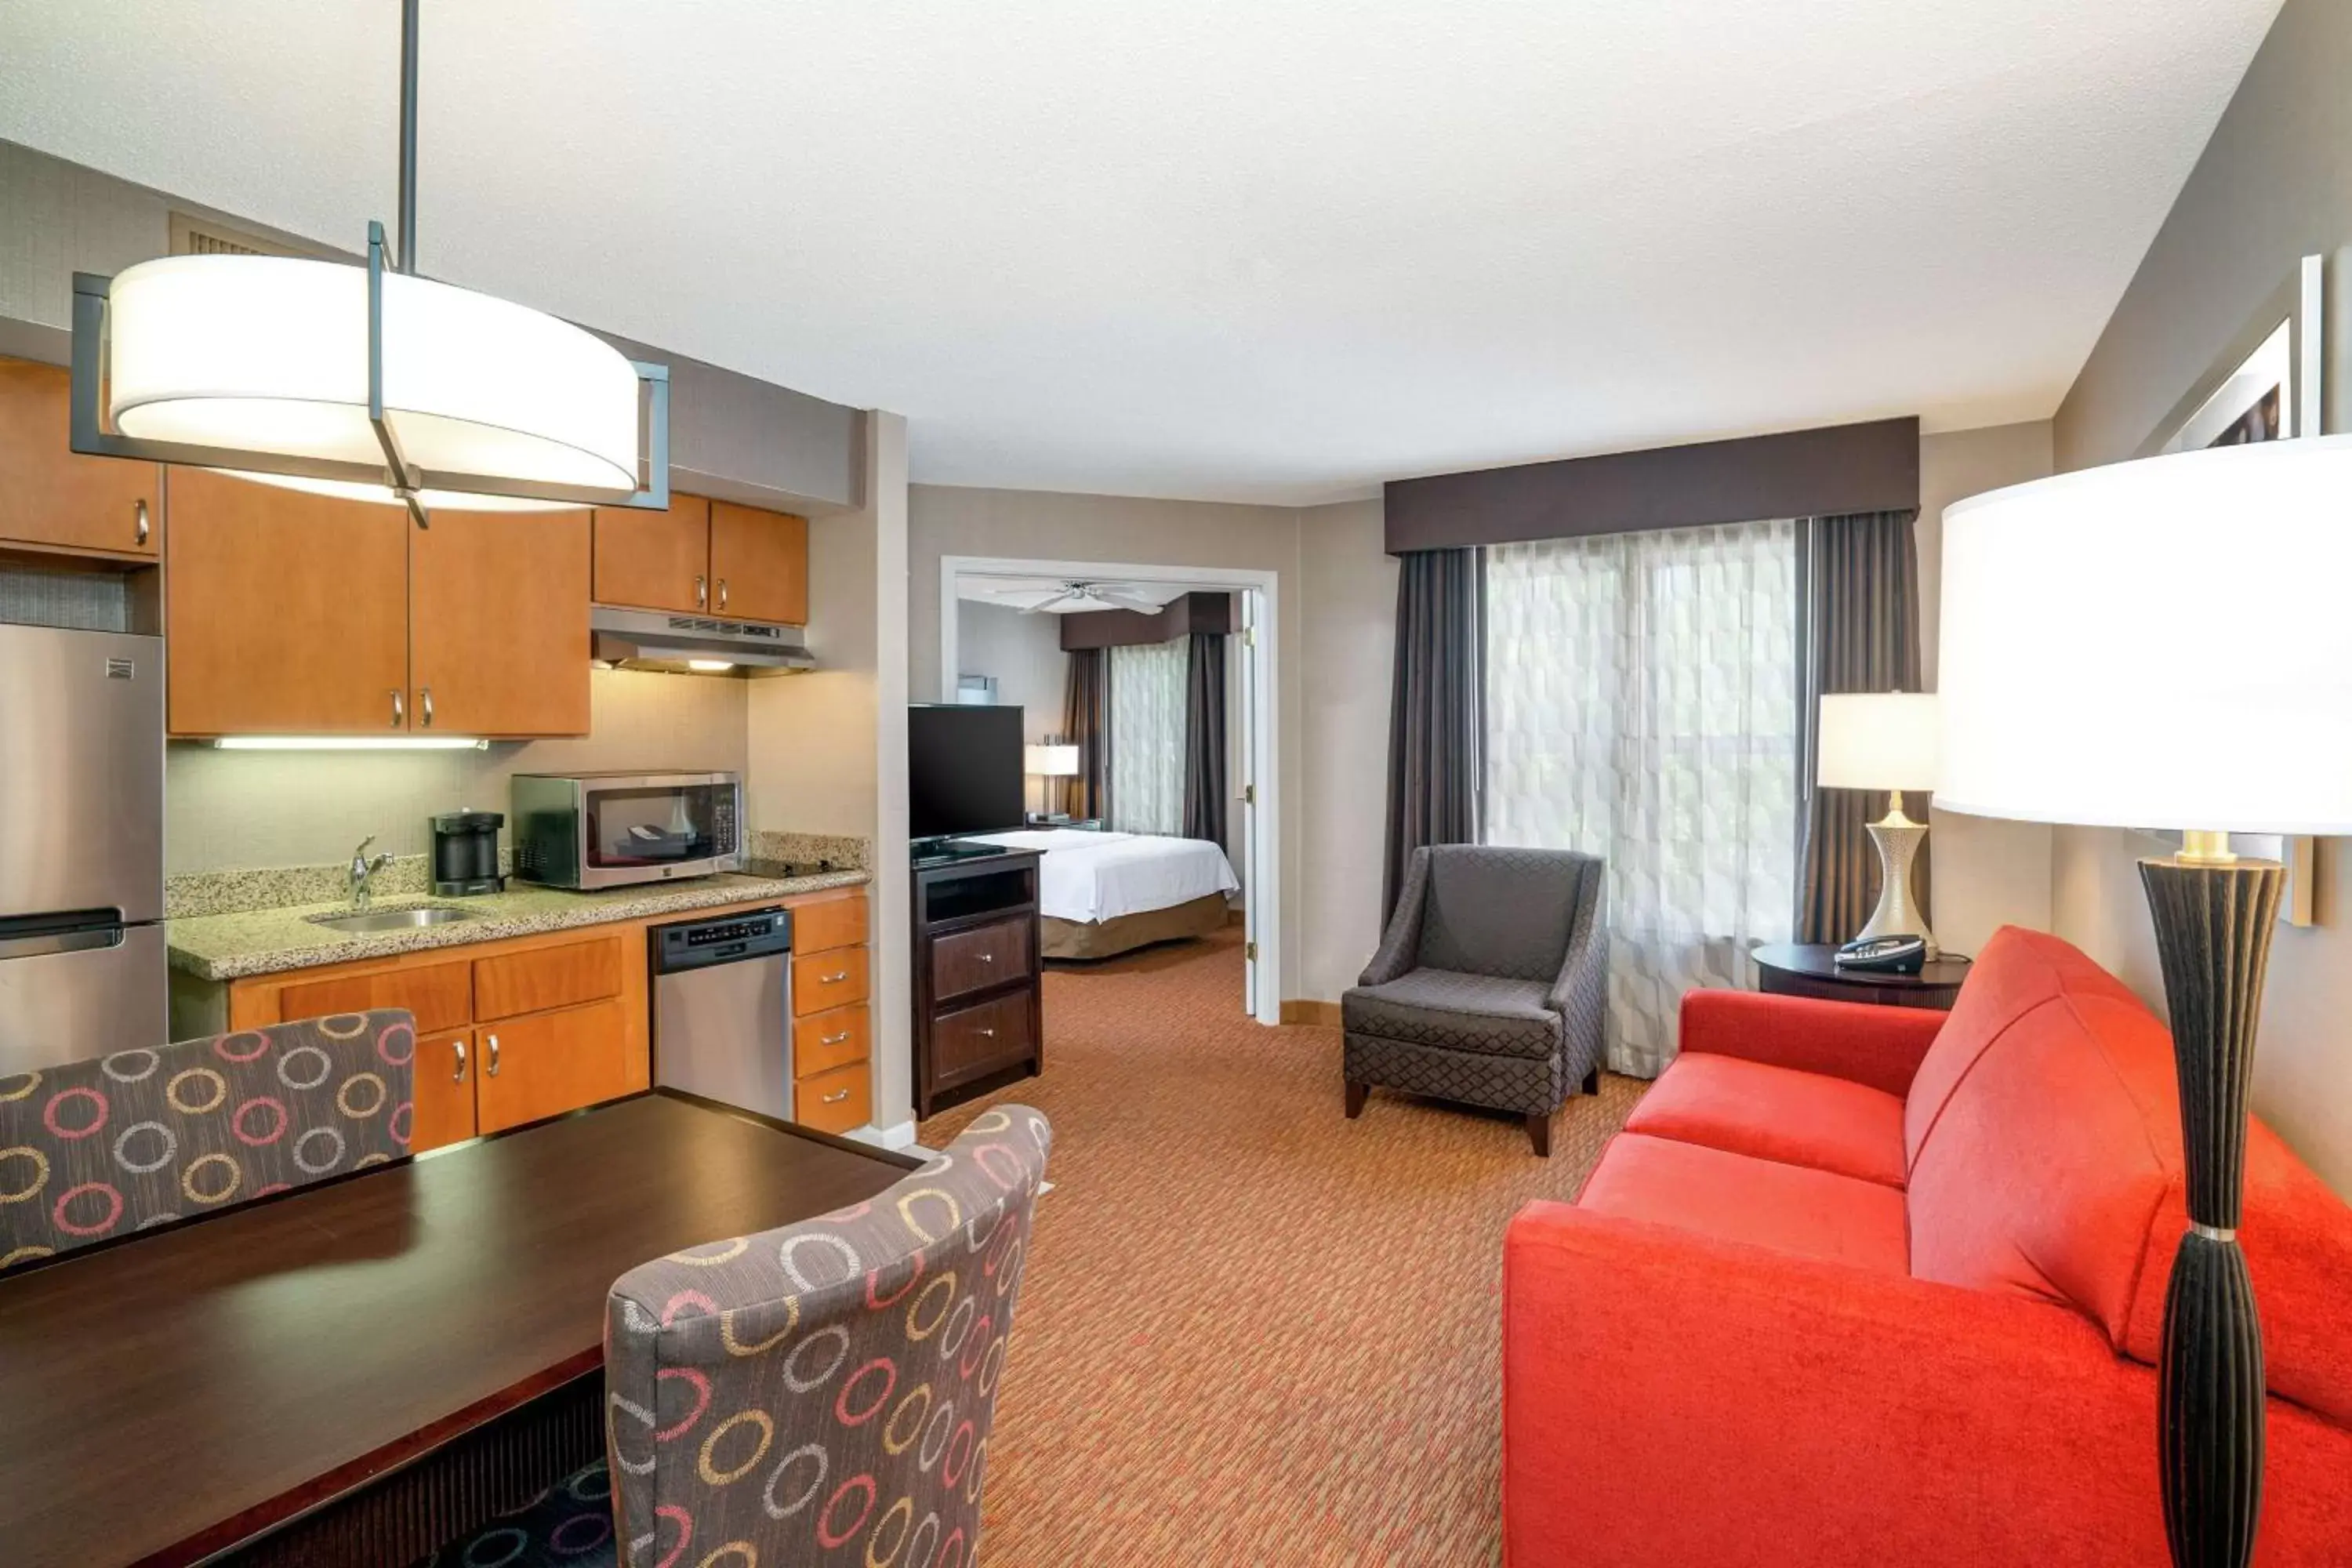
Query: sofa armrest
[1672, 1398]
[1881, 1046]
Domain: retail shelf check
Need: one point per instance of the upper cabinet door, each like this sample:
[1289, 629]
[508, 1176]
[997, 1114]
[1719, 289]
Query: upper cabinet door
[655, 560]
[498, 623]
[287, 612]
[759, 564]
[48, 495]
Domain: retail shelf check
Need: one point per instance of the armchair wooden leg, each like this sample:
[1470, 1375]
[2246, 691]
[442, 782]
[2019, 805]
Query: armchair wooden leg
[1356, 1093]
[1592, 1082]
[1539, 1133]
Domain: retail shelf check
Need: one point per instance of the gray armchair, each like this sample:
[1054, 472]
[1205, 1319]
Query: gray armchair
[1490, 986]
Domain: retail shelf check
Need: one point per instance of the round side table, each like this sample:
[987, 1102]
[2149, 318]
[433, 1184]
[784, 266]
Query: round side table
[1809, 969]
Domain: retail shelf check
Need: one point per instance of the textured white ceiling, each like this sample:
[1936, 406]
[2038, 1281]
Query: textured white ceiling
[1249, 249]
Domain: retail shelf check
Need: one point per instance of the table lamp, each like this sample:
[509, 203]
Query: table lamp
[2163, 643]
[1053, 760]
[1884, 740]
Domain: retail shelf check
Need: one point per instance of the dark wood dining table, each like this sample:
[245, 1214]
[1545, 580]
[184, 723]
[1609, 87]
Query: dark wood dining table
[354, 1371]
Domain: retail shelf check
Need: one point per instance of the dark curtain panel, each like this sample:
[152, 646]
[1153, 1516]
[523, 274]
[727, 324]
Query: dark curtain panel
[1436, 707]
[1204, 737]
[1086, 724]
[1858, 581]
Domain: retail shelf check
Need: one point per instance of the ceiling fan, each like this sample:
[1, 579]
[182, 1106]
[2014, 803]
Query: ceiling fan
[1077, 595]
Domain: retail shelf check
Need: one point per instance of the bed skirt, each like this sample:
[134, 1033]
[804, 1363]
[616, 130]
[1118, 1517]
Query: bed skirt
[1106, 939]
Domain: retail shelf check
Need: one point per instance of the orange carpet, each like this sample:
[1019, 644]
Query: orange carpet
[1252, 1331]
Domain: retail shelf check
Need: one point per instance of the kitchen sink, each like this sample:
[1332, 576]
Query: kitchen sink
[366, 921]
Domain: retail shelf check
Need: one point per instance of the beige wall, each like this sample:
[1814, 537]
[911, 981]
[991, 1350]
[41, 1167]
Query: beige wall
[2269, 188]
[1348, 588]
[227, 810]
[1023, 654]
[1988, 873]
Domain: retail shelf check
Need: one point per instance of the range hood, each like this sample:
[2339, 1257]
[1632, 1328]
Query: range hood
[695, 644]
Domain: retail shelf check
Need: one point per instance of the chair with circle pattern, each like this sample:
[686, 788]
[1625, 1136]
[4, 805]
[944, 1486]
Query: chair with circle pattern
[822, 1393]
[117, 1143]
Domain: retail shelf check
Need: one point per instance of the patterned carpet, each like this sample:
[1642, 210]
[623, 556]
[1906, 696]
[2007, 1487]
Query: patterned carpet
[1253, 1332]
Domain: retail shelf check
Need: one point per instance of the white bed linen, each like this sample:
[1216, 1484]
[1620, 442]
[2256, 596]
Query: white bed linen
[1087, 877]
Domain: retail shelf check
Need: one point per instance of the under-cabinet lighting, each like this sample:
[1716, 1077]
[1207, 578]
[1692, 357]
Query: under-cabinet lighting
[350, 743]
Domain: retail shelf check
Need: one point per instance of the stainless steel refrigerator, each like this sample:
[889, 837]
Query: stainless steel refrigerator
[82, 845]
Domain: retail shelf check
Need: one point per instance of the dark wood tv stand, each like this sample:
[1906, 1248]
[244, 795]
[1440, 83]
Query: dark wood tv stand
[978, 1008]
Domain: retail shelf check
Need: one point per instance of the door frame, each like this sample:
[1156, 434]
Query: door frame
[1262, 763]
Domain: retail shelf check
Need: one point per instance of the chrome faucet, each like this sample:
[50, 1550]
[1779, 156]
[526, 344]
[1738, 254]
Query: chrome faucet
[358, 881]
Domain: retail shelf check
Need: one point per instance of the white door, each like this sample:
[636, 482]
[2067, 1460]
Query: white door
[1246, 787]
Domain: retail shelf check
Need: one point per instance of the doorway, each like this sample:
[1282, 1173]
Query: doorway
[972, 587]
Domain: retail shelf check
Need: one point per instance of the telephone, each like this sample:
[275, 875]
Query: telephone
[1884, 955]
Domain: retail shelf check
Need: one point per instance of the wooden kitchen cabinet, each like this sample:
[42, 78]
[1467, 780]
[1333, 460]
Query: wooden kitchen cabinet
[52, 498]
[287, 612]
[498, 623]
[834, 1101]
[443, 1091]
[655, 560]
[823, 980]
[759, 564]
[547, 1063]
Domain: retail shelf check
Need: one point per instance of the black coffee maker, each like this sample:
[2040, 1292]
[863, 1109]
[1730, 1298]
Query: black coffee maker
[466, 853]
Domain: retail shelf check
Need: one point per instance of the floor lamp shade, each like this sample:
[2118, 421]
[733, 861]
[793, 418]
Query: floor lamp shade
[2165, 643]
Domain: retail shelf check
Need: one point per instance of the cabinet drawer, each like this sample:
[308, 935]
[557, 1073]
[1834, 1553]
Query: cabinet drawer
[441, 995]
[549, 1063]
[834, 1101]
[444, 1094]
[971, 1041]
[823, 1041]
[986, 955]
[547, 977]
[837, 923]
[823, 980]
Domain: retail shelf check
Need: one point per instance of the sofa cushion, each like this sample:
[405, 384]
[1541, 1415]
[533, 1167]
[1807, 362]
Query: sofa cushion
[1459, 1012]
[1736, 1197]
[1776, 1113]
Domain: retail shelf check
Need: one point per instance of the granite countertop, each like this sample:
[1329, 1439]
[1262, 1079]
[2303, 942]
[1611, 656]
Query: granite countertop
[223, 947]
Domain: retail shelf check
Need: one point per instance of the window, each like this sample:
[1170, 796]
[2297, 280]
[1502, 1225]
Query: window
[1642, 706]
[1146, 738]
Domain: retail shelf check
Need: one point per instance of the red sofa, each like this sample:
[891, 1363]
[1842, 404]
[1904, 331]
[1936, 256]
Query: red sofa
[1879, 1285]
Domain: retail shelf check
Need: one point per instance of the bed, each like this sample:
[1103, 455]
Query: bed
[1100, 894]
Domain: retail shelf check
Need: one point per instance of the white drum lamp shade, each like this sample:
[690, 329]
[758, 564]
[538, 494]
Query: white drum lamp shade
[2160, 644]
[270, 354]
[1051, 762]
[1878, 741]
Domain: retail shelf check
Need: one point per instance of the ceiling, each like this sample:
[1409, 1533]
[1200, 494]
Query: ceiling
[1272, 250]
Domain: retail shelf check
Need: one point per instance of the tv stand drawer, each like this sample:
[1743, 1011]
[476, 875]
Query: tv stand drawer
[993, 954]
[973, 1041]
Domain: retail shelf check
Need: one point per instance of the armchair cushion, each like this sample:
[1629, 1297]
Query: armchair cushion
[1761, 1203]
[1771, 1112]
[1457, 1011]
[1503, 912]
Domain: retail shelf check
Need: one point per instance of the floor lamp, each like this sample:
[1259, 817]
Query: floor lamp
[2164, 645]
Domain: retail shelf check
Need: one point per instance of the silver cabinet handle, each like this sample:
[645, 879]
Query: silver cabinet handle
[459, 1076]
[988, 958]
[399, 707]
[835, 1039]
[492, 1041]
[701, 593]
[836, 1097]
[988, 1034]
[722, 593]
[425, 703]
[833, 979]
[139, 509]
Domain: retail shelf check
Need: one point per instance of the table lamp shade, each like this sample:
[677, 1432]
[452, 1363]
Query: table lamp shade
[2161, 644]
[1878, 741]
[1050, 761]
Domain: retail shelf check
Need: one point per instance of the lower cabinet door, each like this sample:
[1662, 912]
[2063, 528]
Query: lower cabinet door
[834, 1101]
[548, 1063]
[444, 1091]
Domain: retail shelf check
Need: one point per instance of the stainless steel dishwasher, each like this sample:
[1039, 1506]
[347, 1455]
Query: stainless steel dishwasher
[722, 1001]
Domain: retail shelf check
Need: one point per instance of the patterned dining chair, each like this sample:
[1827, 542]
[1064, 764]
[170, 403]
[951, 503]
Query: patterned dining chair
[99, 1148]
[822, 1393]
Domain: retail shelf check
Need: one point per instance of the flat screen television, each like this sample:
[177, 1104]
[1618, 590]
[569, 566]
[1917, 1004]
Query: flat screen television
[963, 770]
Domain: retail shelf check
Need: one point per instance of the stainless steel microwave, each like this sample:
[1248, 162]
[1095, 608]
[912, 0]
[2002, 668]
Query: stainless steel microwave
[613, 829]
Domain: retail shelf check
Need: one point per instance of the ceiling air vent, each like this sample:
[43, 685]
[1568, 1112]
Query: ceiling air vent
[204, 237]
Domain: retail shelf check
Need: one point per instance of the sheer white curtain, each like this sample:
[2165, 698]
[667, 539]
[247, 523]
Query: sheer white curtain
[1146, 738]
[1642, 705]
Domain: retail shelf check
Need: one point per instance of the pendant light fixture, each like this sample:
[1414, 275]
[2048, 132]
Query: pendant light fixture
[372, 382]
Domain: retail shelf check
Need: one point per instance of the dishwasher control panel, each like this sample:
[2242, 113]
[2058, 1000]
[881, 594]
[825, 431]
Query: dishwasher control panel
[691, 944]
